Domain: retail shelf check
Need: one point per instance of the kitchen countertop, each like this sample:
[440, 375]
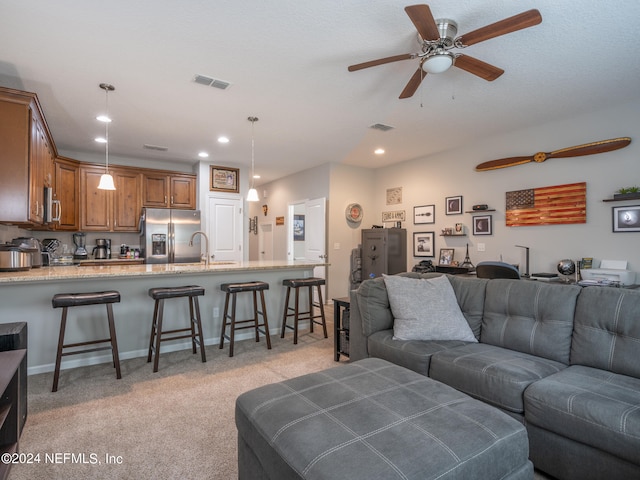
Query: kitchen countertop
[45, 274]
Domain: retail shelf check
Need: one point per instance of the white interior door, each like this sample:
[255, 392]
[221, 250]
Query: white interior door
[265, 241]
[315, 236]
[225, 229]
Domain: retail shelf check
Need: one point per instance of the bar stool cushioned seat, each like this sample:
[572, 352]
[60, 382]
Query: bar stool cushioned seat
[231, 290]
[66, 300]
[160, 294]
[297, 284]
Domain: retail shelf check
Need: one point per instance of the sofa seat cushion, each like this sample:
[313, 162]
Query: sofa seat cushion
[492, 374]
[591, 406]
[412, 354]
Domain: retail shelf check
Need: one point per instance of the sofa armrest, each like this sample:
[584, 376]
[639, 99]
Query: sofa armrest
[357, 340]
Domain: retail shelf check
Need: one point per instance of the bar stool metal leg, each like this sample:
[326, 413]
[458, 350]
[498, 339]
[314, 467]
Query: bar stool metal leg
[114, 341]
[56, 372]
[264, 320]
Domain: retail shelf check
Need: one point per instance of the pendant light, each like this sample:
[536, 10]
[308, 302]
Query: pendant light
[252, 194]
[106, 180]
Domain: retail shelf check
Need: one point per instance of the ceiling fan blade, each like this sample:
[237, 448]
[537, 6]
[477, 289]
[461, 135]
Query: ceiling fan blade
[380, 61]
[413, 84]
[503, 163]
[423, 20]
[591, 148]
[508, 25]
[478, 67]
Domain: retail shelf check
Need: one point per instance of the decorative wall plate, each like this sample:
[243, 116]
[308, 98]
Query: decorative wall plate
[353, 213]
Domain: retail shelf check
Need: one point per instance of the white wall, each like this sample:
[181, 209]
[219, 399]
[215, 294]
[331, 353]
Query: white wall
[429, 180]
[307, 185]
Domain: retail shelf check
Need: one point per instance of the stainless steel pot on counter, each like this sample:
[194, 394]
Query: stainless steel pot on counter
[12, 259]
[32, 247]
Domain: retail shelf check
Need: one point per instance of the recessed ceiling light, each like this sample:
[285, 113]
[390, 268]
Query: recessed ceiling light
[379, 151]
[203, 155]
[103, 118]
[223, 140]
[101, 140]
[256, 176]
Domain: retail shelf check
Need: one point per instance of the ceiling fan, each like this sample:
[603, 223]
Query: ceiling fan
[578, 151]
[438, 39]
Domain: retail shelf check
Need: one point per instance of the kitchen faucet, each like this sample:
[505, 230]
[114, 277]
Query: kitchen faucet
[206, 245]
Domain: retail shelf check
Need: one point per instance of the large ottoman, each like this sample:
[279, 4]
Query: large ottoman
[373, 419]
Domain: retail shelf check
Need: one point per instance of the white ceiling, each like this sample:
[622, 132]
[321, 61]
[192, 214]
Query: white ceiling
[287, 63]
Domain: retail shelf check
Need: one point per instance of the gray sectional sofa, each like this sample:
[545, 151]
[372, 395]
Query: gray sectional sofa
[562, 359]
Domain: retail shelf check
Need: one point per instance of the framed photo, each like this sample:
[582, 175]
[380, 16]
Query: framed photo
[626, 219]
[446, 256]
[394, 196]
[423, 244]
[453, 205]
[424, 214]
[224, 179]
[298, 228]
[482, 225]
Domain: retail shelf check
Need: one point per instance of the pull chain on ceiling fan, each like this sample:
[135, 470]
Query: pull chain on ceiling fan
[438, 41]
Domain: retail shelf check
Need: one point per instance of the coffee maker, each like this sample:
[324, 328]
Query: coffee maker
[102, 250]
[80, 241]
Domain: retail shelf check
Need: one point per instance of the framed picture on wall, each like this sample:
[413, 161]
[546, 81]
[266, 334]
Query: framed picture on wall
[482, 225]
[626, 219]
[424, 214]
[423, 244]
[298, 228]
[224, 179]
[453, 205]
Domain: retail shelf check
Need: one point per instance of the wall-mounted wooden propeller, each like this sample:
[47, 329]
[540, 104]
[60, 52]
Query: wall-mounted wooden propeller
[577, 151]
[438, 39]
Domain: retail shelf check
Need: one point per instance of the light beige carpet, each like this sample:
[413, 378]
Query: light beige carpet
[176, 423]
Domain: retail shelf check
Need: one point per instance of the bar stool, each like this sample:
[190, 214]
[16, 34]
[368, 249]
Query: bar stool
[297, 315]
[66, 300]
[195, 324]
[231, 290]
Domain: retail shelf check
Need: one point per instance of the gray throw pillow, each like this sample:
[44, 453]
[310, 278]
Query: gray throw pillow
[426, 309]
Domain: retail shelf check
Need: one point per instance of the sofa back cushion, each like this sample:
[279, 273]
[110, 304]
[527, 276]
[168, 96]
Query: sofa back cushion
[375, 311]
[530, 317]
[607, 330]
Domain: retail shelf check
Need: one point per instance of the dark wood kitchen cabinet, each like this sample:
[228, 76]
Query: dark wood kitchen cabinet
[168, 190]
[106, 210]
[27, 158]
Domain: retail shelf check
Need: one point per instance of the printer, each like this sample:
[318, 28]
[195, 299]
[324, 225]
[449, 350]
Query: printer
[610, 272]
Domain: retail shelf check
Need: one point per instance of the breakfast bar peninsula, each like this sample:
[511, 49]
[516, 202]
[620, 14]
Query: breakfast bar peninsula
[26, 297]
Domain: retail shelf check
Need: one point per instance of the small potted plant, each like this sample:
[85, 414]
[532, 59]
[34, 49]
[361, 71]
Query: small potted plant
[627, 193]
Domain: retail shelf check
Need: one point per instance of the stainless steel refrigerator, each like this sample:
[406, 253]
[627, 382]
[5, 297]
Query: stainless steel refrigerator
[165, 235]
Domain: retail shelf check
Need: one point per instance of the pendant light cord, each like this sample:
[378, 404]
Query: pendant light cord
[106, 130]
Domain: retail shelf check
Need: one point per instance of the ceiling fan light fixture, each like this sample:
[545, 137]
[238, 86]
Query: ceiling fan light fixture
[438, 63]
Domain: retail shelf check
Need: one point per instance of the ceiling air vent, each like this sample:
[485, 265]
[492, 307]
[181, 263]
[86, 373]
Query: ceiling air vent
[155, 147]
[211, 82]
[382, 127]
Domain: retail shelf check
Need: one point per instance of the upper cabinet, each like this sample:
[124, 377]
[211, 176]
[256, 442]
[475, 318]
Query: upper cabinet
[66, 191]
[168, 190]
[26, 159]
[110, 210]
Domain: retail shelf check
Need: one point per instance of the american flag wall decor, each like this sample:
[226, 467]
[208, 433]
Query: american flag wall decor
[560, 204]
